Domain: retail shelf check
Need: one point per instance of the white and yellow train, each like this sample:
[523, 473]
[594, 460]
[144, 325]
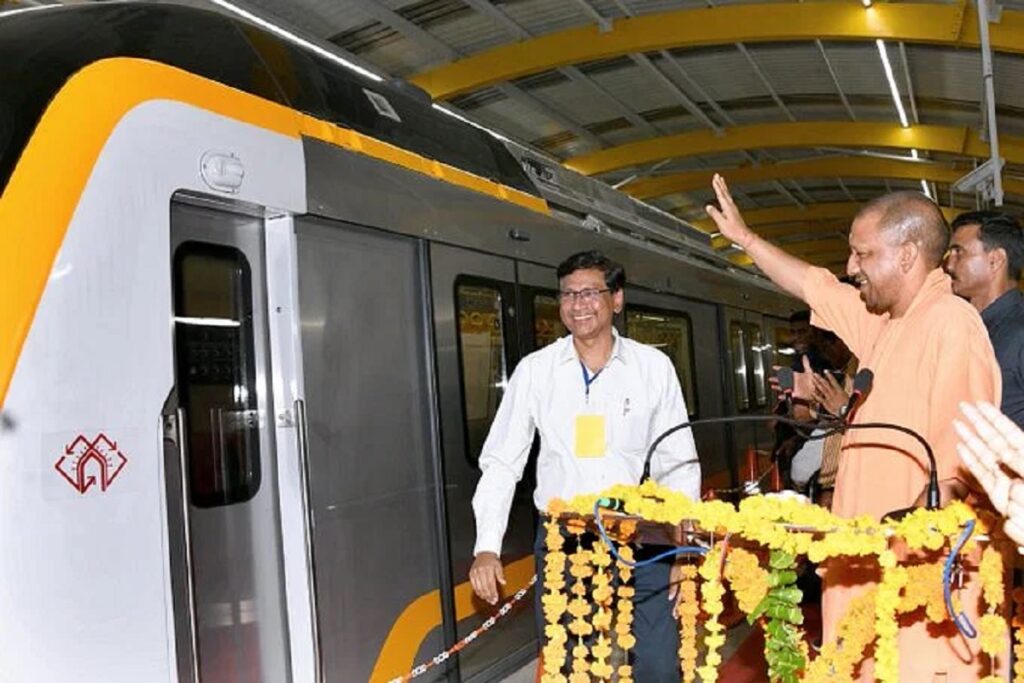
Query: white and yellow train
[256, 312]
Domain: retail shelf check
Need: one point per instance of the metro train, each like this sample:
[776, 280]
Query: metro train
[257, 312]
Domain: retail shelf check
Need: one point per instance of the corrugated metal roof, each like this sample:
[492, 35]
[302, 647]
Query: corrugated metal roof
[403, 38]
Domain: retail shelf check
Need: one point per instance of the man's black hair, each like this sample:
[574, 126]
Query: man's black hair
[997, 230]
[614, 273]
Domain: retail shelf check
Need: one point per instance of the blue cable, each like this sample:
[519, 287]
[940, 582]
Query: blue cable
[683, 550]
[962, 623]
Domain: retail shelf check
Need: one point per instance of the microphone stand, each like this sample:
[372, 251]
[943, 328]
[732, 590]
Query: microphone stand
[832, 426]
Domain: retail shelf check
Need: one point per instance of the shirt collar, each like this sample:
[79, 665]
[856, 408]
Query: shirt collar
[569, 352]
[1002, 306]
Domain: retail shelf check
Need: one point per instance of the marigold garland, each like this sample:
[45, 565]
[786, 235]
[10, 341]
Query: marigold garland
[624, 638]
[748, 581]
[711, 592]
[688, 608]
[600, 609]
[887, 601]
[1018, 635]
[838, 659]
[554, 603]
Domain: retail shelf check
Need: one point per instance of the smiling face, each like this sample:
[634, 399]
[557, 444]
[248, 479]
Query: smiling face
[588, 317]
[875, 264]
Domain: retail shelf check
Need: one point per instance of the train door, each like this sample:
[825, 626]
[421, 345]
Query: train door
[476, 317]
[759, 360]
[540, 322]
[744, 381]
[687, 331]
[226, 557]
[372, 448]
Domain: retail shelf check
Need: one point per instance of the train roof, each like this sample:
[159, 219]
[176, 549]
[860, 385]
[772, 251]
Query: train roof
[41, 50]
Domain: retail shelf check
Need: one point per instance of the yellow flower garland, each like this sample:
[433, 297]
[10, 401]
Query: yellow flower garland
[688, 611]
[554, 604]
[1018, 635]
[711, 592]
[783, 525]
[749, 582]
[624, 638]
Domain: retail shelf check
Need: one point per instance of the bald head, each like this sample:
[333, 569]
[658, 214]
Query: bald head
[911, 217]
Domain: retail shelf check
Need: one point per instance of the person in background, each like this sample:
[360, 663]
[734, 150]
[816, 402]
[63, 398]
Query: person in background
[598, 401]
[985, 259]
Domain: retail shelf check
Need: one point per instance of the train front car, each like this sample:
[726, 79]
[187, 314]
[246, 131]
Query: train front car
[157, 518]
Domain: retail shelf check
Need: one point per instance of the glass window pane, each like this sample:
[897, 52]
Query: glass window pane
[758, 349]
[738, 358]
[216, 373]
[783, 354]
[671, 333]
[547, 323]
[482, 355]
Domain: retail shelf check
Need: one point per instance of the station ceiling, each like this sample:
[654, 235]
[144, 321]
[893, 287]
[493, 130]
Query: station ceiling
[789, 100]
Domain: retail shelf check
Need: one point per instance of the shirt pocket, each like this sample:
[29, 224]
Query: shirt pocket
[632, 421]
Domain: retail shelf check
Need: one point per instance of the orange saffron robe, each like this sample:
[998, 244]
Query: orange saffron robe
[925, 363]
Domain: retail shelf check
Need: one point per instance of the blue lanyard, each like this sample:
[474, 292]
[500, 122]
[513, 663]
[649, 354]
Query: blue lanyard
[588, 379]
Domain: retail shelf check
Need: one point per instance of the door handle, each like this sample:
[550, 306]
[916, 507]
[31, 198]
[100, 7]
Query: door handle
[175, 431]
[308, 522]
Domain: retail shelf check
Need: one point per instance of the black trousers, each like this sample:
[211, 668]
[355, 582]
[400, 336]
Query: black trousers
[655, 658]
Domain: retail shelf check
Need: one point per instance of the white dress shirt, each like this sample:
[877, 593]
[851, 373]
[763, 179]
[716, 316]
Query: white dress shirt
[639, 396]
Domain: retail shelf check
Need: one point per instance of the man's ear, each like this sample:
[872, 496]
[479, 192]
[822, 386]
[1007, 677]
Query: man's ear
[997, 260]
[909, 253]
[618, 301]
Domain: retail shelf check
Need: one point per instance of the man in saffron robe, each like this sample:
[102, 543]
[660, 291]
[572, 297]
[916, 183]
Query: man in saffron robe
[928, 350]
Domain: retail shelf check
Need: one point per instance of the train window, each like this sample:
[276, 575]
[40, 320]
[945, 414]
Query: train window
[758, 350]
[783, 353]
[547, 322]
[737, 353]
[482, 355]
[216, 372]
[671, 333]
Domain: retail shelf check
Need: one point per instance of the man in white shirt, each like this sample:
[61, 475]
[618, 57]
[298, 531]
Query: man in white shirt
[598, 401]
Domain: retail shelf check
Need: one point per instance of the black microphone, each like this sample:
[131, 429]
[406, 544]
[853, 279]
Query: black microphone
[862, 383]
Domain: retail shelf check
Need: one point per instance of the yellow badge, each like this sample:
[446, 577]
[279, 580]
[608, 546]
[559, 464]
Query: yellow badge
[590, 442]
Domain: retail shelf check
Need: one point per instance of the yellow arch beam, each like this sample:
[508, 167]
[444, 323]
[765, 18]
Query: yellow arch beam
[789, 215]
[857, 134]
[827, 167]
[940, 24]
[774, 232]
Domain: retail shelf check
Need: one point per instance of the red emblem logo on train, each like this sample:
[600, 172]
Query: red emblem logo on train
[85, 463]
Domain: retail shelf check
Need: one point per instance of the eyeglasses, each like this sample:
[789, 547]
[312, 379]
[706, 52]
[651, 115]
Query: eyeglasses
[584, 295]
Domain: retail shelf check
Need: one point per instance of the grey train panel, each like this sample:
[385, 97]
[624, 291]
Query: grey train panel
[236, 548]
[387, 196]
[370, 438]
[461, 476]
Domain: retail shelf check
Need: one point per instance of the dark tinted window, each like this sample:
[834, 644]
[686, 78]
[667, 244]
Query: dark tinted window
[216, 372]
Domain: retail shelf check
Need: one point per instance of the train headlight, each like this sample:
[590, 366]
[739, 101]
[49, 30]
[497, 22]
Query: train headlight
[222, 171]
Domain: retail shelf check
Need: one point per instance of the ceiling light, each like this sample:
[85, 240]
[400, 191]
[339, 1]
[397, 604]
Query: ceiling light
[297, 40]
[893, 90]
[866, 3]
[927, 190]
[913, 154]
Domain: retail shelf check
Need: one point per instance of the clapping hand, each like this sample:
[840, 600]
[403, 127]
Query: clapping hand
[992, 448]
